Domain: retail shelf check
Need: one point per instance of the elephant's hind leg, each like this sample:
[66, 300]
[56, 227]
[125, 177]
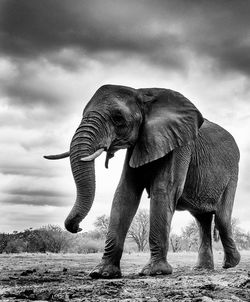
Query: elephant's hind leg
[205, 253]
[223, 223]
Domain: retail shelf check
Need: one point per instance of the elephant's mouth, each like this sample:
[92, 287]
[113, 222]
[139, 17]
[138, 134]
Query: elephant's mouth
[109, 155]
[114, 148]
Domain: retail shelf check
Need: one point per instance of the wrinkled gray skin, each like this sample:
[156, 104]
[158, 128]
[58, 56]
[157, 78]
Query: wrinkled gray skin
[184, 162]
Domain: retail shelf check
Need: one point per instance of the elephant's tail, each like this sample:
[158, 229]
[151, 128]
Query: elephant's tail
[216, 234]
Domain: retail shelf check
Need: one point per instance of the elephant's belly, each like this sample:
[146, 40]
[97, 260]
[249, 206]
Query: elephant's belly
[198, 205]
[202, 195]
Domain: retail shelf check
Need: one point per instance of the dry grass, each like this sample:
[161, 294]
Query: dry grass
[64, 277]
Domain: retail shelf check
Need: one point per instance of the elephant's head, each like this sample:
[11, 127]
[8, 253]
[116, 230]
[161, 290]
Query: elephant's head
[151, 122]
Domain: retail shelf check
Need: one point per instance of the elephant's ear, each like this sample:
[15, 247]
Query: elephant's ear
[171, 121]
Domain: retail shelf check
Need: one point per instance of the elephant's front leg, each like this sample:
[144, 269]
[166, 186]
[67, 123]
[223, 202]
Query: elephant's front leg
[161, 213]
[166, 188]
[124, 207]
[125, 204]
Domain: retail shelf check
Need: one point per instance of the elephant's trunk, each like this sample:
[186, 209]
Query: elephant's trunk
[90, 137]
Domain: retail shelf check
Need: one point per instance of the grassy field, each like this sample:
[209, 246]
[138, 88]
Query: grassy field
[64, 277]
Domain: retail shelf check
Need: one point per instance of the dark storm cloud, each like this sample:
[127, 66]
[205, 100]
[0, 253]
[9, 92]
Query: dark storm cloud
[31, 28]
[35, 196]
[221, 30]
[30, 87]
[38, 92]
[158, 31]
[22, 92]
[19, 167]
[35, 200]
[35, 192]
[56, 24]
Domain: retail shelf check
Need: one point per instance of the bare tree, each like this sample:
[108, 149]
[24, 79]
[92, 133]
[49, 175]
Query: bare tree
[102, 224]
[190, 236]
[242, 238]
[175, 242]
[139, 229]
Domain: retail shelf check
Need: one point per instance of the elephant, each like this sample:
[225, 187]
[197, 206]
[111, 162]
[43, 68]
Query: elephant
[182, 160]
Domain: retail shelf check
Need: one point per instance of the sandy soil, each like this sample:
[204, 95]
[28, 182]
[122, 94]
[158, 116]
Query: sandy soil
[50, 277]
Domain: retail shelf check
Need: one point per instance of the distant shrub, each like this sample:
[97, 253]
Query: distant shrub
[84, 245]
[91, 246]
[4, 238]
[131, 247]
[16, 246]
[52, 238]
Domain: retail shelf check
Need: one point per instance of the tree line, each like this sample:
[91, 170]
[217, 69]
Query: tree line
[52, 238]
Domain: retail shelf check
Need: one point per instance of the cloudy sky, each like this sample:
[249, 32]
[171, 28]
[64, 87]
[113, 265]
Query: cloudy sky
[54, 54]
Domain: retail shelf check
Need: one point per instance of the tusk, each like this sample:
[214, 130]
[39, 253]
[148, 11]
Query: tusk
[93, 156]
[57, 156]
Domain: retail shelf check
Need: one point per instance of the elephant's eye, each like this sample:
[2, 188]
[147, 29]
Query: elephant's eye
[118, 119]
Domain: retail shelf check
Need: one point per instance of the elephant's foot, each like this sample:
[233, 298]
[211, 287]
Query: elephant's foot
[231, 259]
[153, 268]
[205, 261]
[106, 271]
[201, 266]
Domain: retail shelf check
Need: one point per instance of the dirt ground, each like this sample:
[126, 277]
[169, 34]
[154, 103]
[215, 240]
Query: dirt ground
[50, 277]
